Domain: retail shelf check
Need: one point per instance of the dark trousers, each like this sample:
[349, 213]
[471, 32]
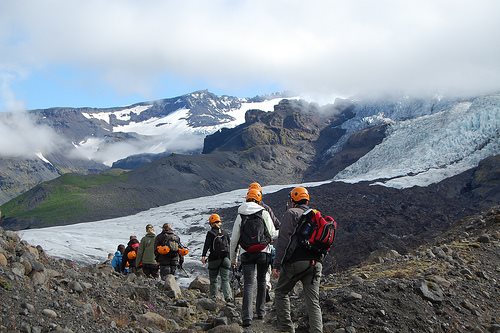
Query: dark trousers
[167, 269]
[252, 262]
[150, 270]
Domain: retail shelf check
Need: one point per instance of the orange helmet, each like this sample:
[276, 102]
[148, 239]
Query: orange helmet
[299, 193]
[132, 255]
[183, 251]
[254, 194]
[256, 186]
[162, 249]
[214, 218]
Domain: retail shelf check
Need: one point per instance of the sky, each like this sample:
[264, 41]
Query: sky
[119, 52]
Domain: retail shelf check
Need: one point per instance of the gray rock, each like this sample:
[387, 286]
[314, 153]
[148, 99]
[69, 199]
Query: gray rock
[353, 296]
[206, 304]
[38, 278]
[28, 307]
[233, 328]
[37, 266]
[49, 313]
[431, 291]
[440, 280]
[201, 283]
[76, 286]
[18, 269]
[172, 285]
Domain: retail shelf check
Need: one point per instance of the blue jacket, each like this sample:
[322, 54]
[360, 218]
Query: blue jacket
[117, 261]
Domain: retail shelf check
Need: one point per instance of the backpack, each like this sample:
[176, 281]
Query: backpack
[132, 255]
[254, 236]
[171, 242]
[316, 232]
[220, 245]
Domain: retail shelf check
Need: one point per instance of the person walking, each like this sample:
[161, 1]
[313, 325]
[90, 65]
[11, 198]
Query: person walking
[146, 254]
[252, 232]
[117, 259]
[277, 224]
[218, 243]
[167, 245]
[294, 262]
[130, 255]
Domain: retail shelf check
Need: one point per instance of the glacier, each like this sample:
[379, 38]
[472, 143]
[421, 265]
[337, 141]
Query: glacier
[430, 147]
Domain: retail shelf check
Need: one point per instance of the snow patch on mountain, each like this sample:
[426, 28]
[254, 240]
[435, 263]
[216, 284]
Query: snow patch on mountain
[40, 156]
[430, 148]
[175, 121]
[121, 115]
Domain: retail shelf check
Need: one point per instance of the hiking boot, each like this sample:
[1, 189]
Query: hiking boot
[246, 323]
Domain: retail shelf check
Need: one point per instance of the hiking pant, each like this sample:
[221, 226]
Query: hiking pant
[310, 277]
[150, 270]
[220, 267]
[167, 269]
[251, 261]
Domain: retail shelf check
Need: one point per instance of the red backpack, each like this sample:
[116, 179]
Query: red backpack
[317, 232]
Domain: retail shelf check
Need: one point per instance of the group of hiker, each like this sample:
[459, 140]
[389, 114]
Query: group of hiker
[162, 253]
[260, 246]
[301, 241]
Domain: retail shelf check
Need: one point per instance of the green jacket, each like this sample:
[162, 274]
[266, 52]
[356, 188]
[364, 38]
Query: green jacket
[146, 250]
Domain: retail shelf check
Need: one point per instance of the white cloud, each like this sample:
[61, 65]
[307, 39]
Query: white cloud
[22, 137]
[313, 47]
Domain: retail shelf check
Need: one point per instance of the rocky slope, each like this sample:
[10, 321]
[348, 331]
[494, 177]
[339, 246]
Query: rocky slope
[449, 284]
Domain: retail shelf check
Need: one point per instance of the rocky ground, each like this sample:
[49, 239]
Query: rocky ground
[450, 284]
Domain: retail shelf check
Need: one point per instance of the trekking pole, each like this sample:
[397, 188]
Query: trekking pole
[185, 272]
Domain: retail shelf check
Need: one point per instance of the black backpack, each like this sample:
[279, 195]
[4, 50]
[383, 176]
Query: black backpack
[220, 245]
[254, 236]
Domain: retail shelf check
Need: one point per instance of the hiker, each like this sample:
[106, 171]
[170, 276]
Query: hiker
[253, 231]
[276, 222]
[296, 263]
[108, 260]
[167, 245]
[146, 254]
[130, 255]
[218, 243]
[117, 259]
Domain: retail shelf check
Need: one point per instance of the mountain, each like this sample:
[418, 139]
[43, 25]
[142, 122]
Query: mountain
[415, 142]
[87, 140]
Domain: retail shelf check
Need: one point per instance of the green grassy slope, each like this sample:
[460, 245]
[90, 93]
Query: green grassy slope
[66, 197]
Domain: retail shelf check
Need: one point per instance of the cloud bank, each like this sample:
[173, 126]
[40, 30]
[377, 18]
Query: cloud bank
[22, 137]
[312, 47]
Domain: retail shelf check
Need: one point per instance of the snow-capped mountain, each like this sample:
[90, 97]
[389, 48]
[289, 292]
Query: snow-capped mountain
[175, 125]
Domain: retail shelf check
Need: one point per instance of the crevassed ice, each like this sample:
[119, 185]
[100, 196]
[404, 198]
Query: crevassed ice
[433, 147]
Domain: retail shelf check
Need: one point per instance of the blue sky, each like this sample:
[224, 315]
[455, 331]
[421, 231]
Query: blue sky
[119, 52]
